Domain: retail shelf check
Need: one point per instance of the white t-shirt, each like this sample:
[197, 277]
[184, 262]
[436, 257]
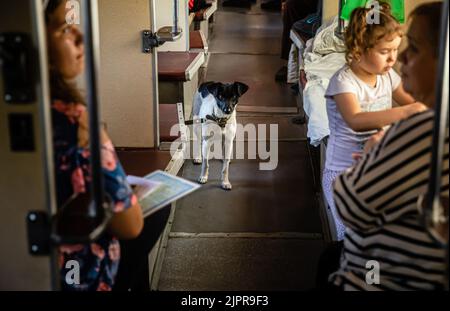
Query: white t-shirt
[343, 140]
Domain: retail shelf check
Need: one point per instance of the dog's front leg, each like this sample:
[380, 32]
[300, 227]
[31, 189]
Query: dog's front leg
[197, 138]
[203, 179]
[228, 146]
[226, 185]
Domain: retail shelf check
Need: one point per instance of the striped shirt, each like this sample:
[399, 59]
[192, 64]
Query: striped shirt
[377, 201]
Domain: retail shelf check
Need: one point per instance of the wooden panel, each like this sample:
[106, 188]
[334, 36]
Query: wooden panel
[140, 162]
[126, 79]
[168, 117]
[196, 40]
[173, 66]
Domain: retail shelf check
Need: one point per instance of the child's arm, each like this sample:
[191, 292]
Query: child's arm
[401, 97]
[359, 121]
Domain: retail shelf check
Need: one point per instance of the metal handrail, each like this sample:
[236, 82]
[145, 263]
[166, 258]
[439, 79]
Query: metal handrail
[92, 105]
[434, 213]
[441, 122]
[175, 16]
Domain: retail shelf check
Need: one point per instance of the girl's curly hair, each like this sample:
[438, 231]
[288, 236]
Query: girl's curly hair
[360, 36]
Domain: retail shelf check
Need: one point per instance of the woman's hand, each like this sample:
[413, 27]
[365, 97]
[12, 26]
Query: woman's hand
[414, 108]
[373, 140]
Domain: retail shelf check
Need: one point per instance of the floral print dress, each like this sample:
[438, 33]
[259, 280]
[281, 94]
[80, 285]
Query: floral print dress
[99, 261]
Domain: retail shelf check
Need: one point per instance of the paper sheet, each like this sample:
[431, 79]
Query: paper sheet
[165, 189]
[141, 186]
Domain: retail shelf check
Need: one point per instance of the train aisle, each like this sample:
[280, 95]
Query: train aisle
[265, 234]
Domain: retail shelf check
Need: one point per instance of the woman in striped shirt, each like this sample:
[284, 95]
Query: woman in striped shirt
[386, 247]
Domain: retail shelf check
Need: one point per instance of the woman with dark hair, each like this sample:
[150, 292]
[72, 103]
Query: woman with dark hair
[98, 261]
[386, 246]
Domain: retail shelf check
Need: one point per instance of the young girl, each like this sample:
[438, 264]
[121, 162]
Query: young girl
[98, 261]
[359, 96]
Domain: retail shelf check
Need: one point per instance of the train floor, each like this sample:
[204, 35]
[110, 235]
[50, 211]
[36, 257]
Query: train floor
[267, 233]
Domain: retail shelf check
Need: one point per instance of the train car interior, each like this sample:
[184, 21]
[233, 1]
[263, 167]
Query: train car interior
[223, 145]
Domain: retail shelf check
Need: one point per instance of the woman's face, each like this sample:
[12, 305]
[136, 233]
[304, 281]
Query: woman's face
[419, 63]
[65, 44]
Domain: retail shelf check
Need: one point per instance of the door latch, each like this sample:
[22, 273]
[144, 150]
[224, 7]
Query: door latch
[152, 40]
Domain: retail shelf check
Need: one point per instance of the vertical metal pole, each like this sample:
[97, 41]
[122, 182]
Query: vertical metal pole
[155, 78]
[441, 120]
[37, 15]
[91, 44]
[175, 16]
[434, 214]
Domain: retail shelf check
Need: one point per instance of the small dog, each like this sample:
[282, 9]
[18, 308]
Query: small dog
[215, 104]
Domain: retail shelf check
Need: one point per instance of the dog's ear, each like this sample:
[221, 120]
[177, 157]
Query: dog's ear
[240, 88]
[207, 88]
[214, 88]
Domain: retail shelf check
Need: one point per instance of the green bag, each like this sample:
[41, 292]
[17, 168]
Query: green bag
[397, 8]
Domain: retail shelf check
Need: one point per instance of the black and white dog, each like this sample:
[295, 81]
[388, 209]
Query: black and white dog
[215, 107]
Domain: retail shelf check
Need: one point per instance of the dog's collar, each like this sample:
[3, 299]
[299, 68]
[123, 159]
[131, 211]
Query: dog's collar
[222, 122]
[196, 121]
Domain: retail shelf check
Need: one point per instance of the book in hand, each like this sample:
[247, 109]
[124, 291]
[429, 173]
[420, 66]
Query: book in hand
[162, 189]
[141, 186]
